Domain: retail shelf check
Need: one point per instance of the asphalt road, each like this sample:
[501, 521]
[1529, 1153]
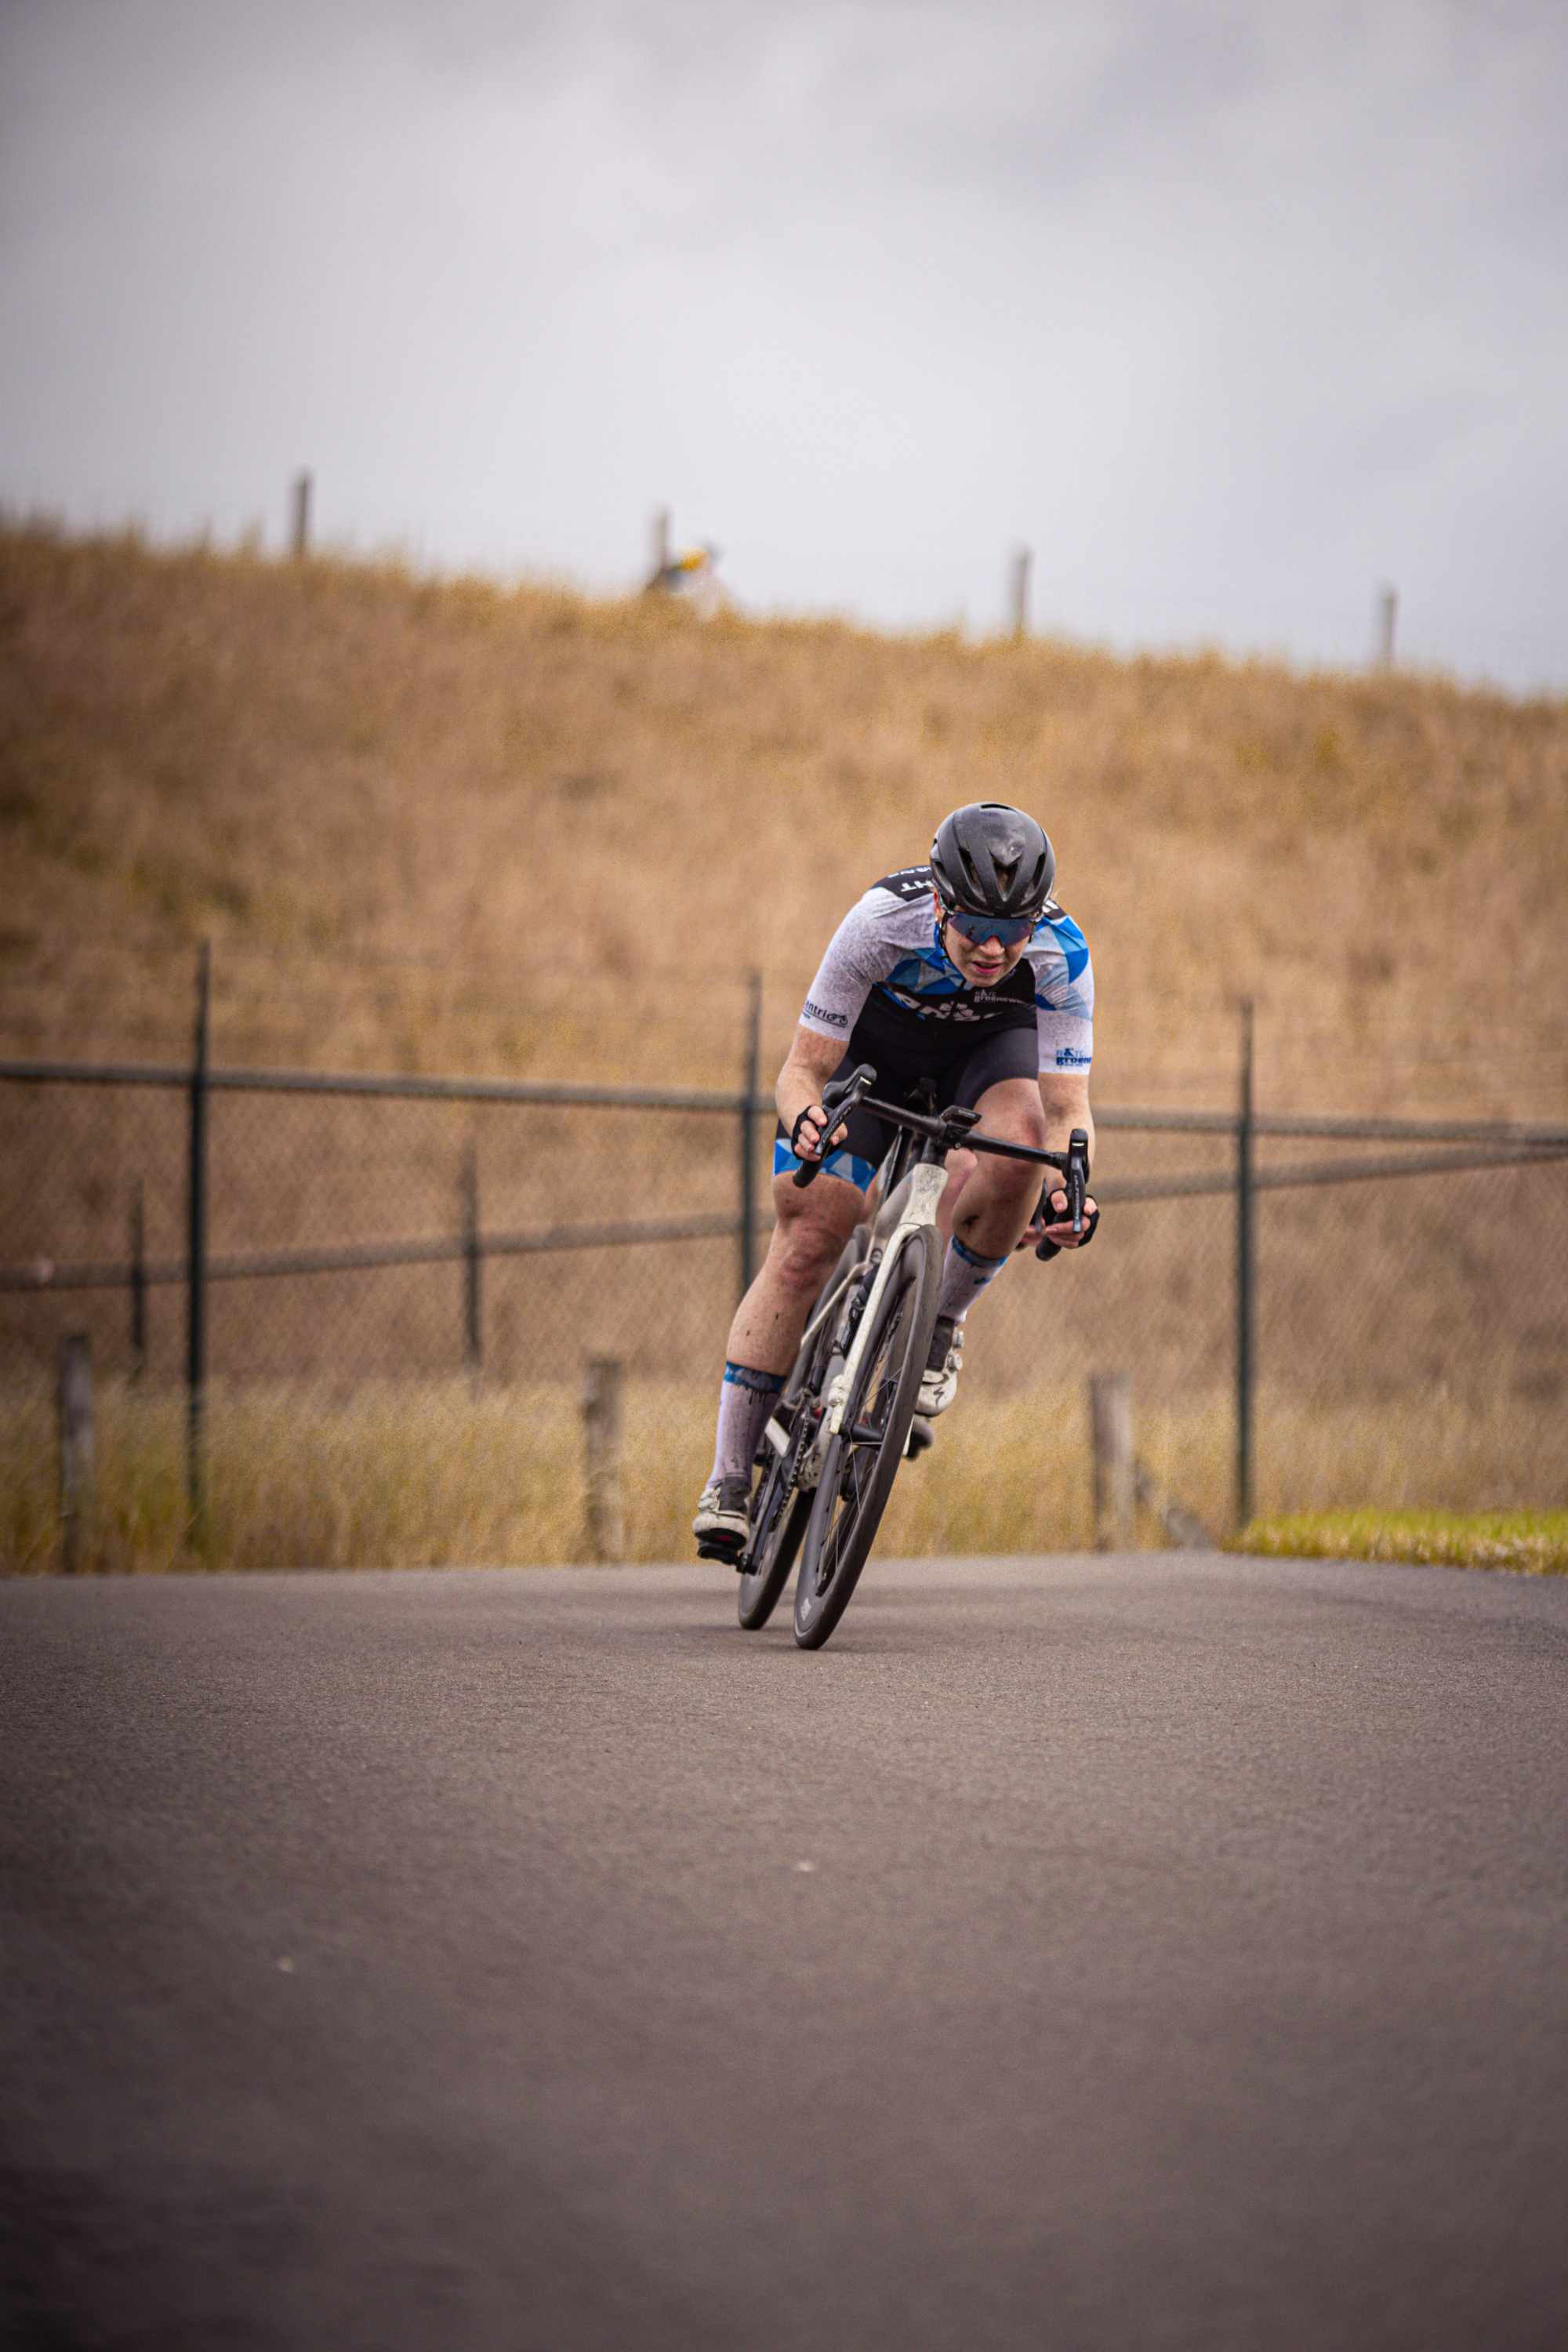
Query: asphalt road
[1076, 1953]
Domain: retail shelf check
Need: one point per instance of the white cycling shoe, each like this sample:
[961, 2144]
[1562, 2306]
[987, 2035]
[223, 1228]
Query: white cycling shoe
[939, 1382]
[722, 1521]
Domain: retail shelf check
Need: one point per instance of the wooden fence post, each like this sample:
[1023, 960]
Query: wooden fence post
[659, 550]
[74, 1396]
[1021, 561]
[1387, 613]
[1110, 1421]
[301, 518]
[602, 1458]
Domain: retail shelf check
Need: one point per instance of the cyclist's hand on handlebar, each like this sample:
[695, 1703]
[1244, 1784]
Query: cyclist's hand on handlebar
[816, 1129]
[1050, 1228]
[806, 1136]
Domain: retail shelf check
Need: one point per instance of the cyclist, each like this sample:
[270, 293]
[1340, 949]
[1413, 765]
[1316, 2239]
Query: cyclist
[965, 972]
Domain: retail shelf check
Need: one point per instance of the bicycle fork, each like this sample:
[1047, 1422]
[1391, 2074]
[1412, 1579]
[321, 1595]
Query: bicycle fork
[926, 1180]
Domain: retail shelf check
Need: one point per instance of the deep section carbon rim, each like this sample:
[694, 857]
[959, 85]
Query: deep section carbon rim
[778, 1523]
[861, 1463]
[780, 1511]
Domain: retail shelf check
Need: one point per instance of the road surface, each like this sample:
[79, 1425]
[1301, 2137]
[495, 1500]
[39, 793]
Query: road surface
[1076, 1953]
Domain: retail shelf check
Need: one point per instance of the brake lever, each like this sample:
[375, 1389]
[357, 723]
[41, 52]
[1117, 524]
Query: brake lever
[1077, 1175]
[1075, 1182]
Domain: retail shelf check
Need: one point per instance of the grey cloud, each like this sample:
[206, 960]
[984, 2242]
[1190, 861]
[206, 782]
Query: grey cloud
[1192, 293]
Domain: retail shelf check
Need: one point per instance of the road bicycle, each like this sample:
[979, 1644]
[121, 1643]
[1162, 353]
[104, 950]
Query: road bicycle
[845, 1417]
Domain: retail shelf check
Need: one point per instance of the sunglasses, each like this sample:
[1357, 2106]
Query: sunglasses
[1006, 930]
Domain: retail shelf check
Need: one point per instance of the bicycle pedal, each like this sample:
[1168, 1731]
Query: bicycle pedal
[730, 1550]
[921, 1436]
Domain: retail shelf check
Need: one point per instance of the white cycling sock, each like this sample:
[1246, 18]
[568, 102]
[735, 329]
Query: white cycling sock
[965, 1276]
[745, 1400]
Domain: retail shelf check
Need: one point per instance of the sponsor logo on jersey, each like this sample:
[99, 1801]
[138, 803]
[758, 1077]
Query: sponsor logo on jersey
[908, 882]
[1069, 1057]
[952, 1000]
[820, 1012]
[977, 1006]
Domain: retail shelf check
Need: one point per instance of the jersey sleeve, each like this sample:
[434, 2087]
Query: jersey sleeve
[859, 955]
[1063, 998]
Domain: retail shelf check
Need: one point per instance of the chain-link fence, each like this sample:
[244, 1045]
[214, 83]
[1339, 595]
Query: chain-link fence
[1310, 1312]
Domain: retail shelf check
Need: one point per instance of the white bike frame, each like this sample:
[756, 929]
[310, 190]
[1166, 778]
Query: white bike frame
[912, 1203]
[927, 1183]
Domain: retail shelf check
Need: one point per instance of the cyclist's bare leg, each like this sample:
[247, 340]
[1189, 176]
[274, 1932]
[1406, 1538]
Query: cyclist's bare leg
[989, 1208]
[994, 1204]
[960, 1167]
[807, 1241]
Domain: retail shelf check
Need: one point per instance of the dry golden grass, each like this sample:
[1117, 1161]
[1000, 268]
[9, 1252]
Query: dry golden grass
[1420, 1448]
[444, 824]
[449, 826]
[439, 1473]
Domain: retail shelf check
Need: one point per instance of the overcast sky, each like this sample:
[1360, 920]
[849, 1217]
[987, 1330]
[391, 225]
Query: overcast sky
[1230, 313]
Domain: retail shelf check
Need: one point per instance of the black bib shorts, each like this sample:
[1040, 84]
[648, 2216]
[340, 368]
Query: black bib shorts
[960, 1068]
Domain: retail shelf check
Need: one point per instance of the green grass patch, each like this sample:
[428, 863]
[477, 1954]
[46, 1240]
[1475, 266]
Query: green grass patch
[1535, 1542]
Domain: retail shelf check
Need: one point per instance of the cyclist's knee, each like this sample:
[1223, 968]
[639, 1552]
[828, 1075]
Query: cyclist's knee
[810, 1235]
[1011, 1181]
[1016, 1112]
[803, 1262]
[960, 1167]
[1012, 1111]
[1008, 1186]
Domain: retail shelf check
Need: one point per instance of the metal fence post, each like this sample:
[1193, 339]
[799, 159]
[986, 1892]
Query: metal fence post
[749, 1134]
[1246, 1273]
[195, 1279]
[138, 1280]
[471, 1258]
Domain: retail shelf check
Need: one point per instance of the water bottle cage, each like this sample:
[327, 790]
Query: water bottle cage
[855, 1304]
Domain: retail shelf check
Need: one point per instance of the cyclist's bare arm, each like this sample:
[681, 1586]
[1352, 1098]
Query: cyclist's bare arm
[812, 1062]
[811, 1226]
[1064, 1094]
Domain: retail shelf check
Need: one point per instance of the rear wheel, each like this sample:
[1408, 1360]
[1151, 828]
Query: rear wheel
[776, 1531]
[860, 1464]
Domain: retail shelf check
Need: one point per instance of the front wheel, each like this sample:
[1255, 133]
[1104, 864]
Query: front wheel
[860, 1463]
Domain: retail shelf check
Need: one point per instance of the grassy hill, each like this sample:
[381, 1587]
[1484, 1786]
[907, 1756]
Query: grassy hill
[444, 824]
[441, 825]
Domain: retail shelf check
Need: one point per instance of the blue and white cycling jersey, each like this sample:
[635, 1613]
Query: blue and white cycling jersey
[886, 972]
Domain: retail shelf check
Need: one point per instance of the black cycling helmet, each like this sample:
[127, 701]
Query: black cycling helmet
[990, 859]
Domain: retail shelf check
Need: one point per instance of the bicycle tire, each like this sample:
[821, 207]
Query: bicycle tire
[857, 1473]
[781, 1527]
[779, 1518]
